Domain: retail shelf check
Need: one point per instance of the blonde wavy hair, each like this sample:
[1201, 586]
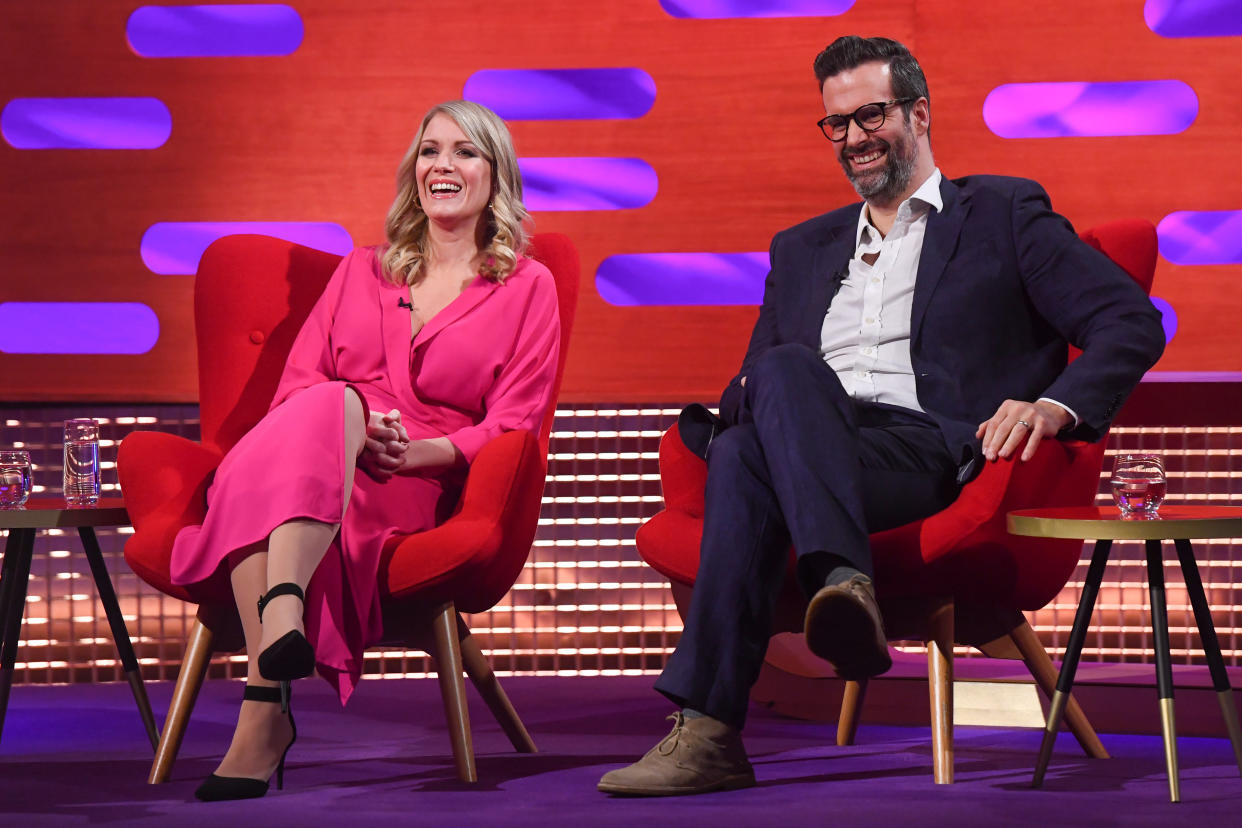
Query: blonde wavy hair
[502, 238]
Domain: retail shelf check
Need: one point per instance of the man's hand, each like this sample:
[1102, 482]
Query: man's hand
[1016, 422]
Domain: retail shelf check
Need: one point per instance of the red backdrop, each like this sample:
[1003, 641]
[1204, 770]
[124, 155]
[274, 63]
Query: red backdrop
[316, 136]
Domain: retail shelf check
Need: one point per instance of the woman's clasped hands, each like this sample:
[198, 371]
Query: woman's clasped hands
[386, 444]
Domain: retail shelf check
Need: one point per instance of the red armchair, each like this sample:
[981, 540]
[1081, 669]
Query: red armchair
[250, 298]
[955, 576]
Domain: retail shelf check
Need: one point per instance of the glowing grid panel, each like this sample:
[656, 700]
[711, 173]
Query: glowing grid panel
[585, 603]
[174, 248]
[562, 94]
[260, 30]
[1058, 110]
[682, 278]
[1193, 18]
[1206, 237]
[587, 183]
[77, 328]
[86, 123]
[719, 9]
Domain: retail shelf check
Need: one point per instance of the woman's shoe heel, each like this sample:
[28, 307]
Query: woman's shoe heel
[218, 788]
[291, 656]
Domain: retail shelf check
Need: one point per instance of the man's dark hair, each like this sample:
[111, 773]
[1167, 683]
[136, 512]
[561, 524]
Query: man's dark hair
[851, 51]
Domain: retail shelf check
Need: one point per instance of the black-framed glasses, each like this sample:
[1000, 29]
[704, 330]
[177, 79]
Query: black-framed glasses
[869, 117]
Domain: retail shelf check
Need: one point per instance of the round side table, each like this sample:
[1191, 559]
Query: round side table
[54, 513]
[1179, 524]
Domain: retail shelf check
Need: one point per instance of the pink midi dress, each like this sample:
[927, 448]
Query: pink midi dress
[482, 366]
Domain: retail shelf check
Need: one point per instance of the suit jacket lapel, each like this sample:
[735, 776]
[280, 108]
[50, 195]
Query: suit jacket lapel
[829, 266]
[939, 242]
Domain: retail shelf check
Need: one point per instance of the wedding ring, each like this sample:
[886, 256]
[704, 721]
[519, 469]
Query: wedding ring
[1024, 423]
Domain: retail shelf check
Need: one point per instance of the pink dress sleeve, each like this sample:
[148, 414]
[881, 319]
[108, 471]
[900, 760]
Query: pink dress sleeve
[311, 361]
[519, 397]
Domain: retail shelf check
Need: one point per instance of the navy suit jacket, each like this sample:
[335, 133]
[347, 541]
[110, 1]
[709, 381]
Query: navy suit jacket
[1003, 284]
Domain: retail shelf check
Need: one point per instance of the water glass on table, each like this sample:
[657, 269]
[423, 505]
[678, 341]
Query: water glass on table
[14, 478]
[81, 462]
[1139, 483]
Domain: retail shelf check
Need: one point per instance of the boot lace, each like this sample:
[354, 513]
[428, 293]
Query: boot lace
[669, 743]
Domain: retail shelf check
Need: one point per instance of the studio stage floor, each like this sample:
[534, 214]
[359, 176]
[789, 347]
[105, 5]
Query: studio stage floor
[77, 755]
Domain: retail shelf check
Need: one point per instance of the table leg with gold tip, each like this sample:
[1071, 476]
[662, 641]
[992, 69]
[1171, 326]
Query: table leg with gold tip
[18, 552]
[1164, 664]
[1211, 647]
[120, 634]
[1078, 635]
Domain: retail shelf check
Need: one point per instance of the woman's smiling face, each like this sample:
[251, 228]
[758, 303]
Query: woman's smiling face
[454, 178]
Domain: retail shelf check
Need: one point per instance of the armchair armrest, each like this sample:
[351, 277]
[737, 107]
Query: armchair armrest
[683, 475]
[476, 555]
[166, 475]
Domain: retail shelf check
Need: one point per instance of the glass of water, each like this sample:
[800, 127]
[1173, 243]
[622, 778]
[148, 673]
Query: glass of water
[81, 462]
[14, 479]
[1139, 483]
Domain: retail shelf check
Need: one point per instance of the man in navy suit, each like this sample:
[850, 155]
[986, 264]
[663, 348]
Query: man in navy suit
[902, 342]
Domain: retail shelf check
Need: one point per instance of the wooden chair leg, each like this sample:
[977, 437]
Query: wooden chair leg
[185, 693]
[447, 656]
[480, 671]
[1045, 675]
[940, 680]
[851, 711]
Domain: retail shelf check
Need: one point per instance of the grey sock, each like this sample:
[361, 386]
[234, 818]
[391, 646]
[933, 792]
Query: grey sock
[691, 713]
[841, 574]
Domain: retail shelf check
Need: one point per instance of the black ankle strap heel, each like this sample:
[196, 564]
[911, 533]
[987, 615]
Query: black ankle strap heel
[291, 656]
[217, 788]
[287, 588]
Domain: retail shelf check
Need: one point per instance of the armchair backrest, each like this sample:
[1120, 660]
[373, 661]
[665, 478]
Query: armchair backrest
[252, 294]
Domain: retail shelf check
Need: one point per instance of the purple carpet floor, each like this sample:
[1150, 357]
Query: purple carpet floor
[77, 755]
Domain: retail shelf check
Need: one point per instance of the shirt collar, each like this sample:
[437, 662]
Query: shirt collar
[927, 194]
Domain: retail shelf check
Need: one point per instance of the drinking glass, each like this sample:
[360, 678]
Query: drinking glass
[1139, 483]
[14, 479]
[81, 462]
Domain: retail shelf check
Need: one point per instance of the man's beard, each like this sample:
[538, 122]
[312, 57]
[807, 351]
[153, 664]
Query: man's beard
[887, 184]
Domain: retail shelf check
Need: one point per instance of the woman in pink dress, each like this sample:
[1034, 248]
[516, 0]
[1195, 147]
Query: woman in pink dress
[417, 353]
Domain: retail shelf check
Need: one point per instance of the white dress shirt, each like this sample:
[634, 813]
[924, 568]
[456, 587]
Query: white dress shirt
[865, 337]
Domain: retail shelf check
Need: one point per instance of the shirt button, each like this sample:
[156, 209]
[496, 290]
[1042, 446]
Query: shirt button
[869, 320]
[875, 281]
[868, 351]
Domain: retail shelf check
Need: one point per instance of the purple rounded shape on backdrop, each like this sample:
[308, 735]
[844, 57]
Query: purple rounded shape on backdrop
[1058, 110]
[587, 183]
[1194, 18]
[652, 279]
[1168, 317]
[562, 94]
[262, 30]
[86, 123]
[1204, 237]
[77, 328]
[174, 247]
[721, 9]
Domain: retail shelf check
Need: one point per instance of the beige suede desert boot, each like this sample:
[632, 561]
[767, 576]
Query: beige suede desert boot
[700, 755]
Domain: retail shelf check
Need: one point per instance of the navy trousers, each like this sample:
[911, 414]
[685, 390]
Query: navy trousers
[807, 465]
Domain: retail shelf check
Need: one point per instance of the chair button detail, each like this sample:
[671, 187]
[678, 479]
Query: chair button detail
[257, 337]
